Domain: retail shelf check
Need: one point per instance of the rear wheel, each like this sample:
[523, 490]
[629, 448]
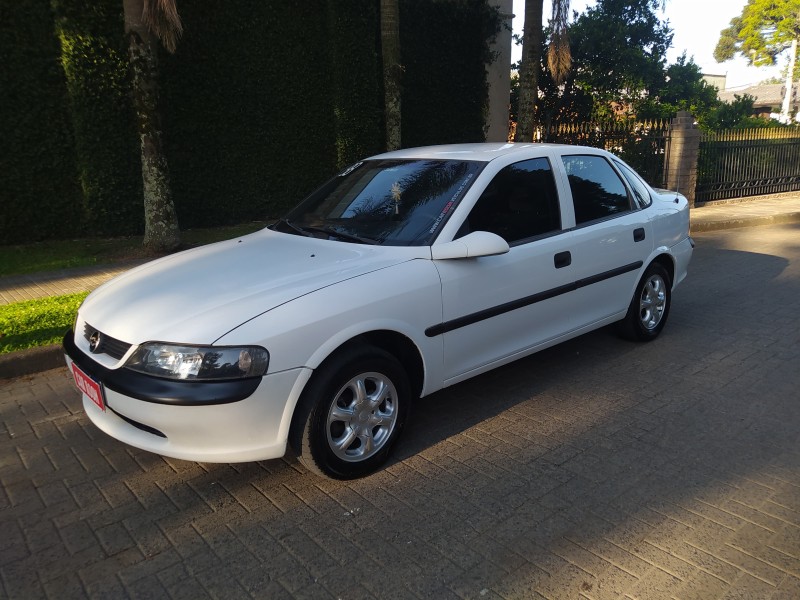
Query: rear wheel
[649, 308]
[353, 410]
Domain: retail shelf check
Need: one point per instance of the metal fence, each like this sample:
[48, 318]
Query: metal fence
[730, 164]
[643, 145]
[747, 162]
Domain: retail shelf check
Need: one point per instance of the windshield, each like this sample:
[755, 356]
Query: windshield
[389, 202]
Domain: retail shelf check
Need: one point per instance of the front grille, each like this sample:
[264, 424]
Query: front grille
[107, 344]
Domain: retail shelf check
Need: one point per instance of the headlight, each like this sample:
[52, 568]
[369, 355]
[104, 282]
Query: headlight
[199, 362]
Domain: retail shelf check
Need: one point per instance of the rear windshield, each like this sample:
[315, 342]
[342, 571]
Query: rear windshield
[387, 202]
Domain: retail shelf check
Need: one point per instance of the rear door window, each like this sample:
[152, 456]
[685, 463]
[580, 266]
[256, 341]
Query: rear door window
[597, 190]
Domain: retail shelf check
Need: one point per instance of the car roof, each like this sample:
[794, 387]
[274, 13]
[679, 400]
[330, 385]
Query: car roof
[483, 152]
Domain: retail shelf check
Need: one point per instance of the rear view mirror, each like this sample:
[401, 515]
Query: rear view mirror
[472, 245]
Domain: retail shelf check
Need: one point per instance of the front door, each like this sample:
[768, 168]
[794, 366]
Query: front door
[496, 307]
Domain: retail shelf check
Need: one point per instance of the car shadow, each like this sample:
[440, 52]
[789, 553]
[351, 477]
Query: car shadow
[453, 410]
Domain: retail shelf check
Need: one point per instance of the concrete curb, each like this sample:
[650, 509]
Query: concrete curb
[33, 360]
[718, 225]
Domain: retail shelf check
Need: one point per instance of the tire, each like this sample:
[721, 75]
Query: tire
[649, 308]
[351, 413]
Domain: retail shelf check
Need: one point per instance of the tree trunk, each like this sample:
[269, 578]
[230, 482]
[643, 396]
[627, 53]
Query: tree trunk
[529, 69]
[786, 117]
[390, 50]
[161, 231]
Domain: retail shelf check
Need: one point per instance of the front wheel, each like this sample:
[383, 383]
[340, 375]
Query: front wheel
[649, 308]
[352, 412]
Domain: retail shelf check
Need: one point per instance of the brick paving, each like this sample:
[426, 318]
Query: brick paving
[597, 469]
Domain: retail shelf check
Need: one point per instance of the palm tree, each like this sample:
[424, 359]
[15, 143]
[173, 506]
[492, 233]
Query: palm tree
[392, 70]
[147, 22]
[558, 59]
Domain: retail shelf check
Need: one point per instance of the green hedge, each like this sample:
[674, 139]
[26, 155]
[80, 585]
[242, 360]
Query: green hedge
[94, 59]
[39, 192]
[261, 102]
[248, 123]
[444, 53]
[356, 79]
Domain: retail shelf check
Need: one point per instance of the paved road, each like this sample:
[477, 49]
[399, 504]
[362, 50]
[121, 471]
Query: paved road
[598, 469]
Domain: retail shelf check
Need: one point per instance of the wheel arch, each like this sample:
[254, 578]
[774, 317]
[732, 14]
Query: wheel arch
[395, 343]
[668, 262]
[404, 350]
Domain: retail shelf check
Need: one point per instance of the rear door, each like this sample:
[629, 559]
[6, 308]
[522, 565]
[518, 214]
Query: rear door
[610, 237]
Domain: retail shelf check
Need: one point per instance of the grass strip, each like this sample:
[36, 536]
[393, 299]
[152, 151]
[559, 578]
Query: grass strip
[37, 322]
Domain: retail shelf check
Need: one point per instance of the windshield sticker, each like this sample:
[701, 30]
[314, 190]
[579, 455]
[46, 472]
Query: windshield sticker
[396, 196]
[350, 169]
[450, 204]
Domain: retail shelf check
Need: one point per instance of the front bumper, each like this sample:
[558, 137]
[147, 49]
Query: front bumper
[220, 427]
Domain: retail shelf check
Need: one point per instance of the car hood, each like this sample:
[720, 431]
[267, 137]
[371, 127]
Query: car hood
[197, 296]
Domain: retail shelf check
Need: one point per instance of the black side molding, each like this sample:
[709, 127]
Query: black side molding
[159, 390]
[500, 309]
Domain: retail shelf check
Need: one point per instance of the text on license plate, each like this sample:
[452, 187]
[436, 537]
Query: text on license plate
[88, 386]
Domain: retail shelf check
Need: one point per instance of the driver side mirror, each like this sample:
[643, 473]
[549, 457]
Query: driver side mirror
[472, 245]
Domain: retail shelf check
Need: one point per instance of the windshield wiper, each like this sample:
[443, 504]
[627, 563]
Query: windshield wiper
[306, 230]
[339, 234]
[292, 226]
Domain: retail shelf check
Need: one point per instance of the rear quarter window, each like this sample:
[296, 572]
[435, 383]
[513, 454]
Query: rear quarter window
[641, 193]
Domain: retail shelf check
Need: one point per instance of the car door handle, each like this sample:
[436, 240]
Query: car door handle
[562, 259]
[638, 234]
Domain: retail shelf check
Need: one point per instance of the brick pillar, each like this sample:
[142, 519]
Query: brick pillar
[682, 159]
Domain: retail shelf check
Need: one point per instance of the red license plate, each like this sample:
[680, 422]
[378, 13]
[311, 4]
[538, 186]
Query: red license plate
[88, 386]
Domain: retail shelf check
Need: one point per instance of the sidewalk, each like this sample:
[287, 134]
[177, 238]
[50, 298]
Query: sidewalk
[746, 212]
[711, 217]
[17, 288]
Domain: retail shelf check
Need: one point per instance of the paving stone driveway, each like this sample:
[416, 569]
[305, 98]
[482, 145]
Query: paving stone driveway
[598, 469]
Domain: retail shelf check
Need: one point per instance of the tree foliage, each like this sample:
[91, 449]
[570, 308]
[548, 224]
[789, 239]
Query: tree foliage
[618, 52]
[619, 71]
[682, 88]
[762, 32]
[732, 115]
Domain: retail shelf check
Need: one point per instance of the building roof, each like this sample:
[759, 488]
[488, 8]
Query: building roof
[767, 95]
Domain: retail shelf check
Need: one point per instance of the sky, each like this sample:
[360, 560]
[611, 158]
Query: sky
[696, 25]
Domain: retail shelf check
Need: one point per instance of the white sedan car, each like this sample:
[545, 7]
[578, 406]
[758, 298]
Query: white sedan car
[406, 273]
